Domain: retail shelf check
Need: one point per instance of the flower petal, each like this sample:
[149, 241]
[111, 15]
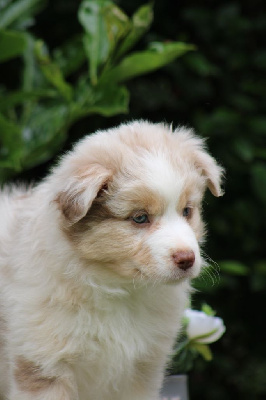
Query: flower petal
[202, 327]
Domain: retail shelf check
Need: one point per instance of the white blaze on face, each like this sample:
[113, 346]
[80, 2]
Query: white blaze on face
[172, 236]
[161, 177]
[173, 232]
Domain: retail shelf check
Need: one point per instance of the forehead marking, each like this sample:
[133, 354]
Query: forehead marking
[136, 198]
[161, 177]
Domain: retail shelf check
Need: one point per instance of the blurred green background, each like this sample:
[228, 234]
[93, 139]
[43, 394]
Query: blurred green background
[49, 99]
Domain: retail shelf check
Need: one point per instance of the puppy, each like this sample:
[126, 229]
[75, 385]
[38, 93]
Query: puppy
[95, 264]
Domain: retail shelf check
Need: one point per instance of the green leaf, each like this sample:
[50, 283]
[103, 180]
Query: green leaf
[10, 144]
[70, 56]
[12, 44]
[111, 100]
[8, 129]
[105, 24]
[52, 72]
[107, 100]
[29, 70]
[143, 62]
[183, 361]
[203, 349]
[234, 268]
[208, 310]
[141, 22]
[200, 64]
[19, 97]
[37, 142]
[18, 9]
[32, 78]
[44, 133]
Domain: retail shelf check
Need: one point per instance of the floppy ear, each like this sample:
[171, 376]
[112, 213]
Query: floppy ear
[80, 191]
[211, 170]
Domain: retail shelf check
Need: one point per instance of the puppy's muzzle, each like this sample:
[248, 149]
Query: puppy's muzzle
[184, 259]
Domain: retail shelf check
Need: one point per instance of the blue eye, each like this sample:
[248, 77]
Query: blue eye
[187, 212]
[141, 219]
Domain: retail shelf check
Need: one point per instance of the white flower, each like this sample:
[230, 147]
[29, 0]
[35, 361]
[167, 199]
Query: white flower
[203, 328]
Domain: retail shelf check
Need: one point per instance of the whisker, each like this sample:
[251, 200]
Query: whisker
[210, 269]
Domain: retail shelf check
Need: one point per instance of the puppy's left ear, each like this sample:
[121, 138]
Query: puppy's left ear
[80, 190]
[211, 170]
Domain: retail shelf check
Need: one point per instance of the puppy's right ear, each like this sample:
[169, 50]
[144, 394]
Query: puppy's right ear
[76, 198]
[211, 170]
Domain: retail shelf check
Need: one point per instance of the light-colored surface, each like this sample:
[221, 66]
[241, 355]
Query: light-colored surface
[175, 388]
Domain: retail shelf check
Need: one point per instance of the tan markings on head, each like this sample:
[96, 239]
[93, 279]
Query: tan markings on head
[29, 377]
[75, 199]
[97, 213]
[69, 205]
[94, 236]
[191, 196]
[125, 201]
[184, 198]
[103, 238]
[192, 192]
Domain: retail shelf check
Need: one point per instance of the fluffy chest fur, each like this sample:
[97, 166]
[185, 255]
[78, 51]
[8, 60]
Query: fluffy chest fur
[140, 330]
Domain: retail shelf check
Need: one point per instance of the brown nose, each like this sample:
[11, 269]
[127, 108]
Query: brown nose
[184, 259]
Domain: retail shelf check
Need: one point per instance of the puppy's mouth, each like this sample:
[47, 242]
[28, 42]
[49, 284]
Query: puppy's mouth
[164, 275]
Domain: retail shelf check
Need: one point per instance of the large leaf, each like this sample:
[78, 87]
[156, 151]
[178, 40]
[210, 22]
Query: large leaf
[52, 71]
[12, 44]
[110, 100]
[141, 22]
[105, 24]
[44, 133]
[18, 9]
[107, 100]
[143, 62]
[30, 68]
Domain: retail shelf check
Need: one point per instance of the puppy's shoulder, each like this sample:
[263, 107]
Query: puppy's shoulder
[12, 201]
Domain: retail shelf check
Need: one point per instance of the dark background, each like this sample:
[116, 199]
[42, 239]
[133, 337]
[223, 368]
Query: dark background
[219, 90]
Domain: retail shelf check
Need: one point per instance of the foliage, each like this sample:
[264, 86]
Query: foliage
[57, 89]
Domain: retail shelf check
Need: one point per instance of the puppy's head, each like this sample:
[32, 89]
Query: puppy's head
[130, 201]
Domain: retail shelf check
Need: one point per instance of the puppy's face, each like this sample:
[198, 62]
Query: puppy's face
[142, 219]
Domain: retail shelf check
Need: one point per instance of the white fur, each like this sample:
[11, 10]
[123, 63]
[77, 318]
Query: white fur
[174, 235]
[92, 329]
